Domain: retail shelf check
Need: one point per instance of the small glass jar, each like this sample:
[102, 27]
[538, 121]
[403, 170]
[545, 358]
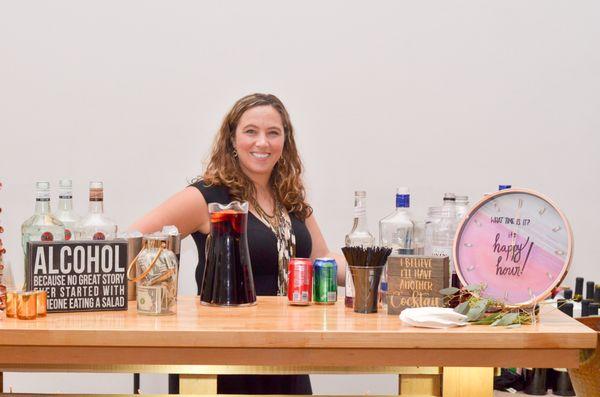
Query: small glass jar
[11, 304]
[41, 302]
[26, 305]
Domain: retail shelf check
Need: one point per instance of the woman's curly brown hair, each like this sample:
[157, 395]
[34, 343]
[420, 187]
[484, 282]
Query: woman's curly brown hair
[223, 168]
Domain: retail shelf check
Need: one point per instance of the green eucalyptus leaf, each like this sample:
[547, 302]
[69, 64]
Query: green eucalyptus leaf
[475, 313]
[449, 291]
[488, 319]
[496, 322]
[473, 287]
[463, 308]
[508, 319]
[483, 303]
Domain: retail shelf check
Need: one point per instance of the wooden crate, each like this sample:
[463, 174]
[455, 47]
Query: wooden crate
[415, 281]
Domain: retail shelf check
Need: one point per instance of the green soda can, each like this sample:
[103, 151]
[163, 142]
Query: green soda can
[325, 281]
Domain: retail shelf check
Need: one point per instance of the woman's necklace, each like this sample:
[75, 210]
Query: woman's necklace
[272, 220]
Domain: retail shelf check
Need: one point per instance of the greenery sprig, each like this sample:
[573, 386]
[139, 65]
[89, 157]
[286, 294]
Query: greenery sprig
[469, 301]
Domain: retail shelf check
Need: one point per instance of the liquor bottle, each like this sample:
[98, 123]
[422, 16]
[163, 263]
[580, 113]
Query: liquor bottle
[450, 200]
[358, 236]
[442, 239]
[578, 289]
[65, 212]
[462, 206]
[42, 225]
[585, 307]
[396, 231]
[597, 293]
[535, 381]
[95, 225]
[589, 290]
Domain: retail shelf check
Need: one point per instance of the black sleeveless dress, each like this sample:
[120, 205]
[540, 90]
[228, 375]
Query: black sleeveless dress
[263, 257]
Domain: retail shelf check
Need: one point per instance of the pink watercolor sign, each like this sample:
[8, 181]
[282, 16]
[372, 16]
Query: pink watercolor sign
[517, 243]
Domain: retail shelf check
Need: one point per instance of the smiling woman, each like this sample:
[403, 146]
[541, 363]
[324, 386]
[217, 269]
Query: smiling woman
[254, 158]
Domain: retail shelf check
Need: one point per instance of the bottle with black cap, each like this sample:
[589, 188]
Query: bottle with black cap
[562, 385]
[567, 308]
[535, 381]
[593, 309]
[578, 289]
[597, 293]
[589, 290]
[585, 307]
[568, 294]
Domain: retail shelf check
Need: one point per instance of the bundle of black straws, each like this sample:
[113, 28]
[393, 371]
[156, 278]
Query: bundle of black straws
[366, 257]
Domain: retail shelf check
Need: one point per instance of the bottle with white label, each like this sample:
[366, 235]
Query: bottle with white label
[95, 225]
[358, 236]
[43, 225]
[65, 212]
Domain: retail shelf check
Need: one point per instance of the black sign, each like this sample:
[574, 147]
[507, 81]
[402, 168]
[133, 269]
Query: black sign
[79, 275]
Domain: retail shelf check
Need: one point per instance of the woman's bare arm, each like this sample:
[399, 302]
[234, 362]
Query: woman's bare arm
[186, 209]
[320, 249]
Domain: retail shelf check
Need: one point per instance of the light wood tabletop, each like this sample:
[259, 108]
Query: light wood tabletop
[275, 333]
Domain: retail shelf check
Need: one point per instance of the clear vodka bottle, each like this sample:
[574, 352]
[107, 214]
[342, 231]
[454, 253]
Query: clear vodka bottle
[442, 239]
[462, 206]
[42, 225]
[358, 236]
[95, 225]
[65, 212]
[434, 215]
[396, 231]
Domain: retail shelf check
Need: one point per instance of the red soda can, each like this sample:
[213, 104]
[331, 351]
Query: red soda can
[300, 279]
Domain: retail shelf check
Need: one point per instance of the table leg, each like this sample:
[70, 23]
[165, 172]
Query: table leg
[420, 381]
[197, 384]
[468, 382]
[1, 382]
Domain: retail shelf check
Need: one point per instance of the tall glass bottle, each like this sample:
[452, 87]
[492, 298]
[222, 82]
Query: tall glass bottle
[65, 212]
[396, 232]
[443, 234]
[396, 229]
[43, 225]
[462, 206]
[358, 236]
[95, 225]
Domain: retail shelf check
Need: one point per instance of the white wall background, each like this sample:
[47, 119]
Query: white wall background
[436, 95]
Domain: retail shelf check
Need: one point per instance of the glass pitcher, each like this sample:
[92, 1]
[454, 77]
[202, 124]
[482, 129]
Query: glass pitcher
[228, 277]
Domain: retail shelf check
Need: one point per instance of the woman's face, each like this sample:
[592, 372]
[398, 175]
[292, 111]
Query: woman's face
[259, 139]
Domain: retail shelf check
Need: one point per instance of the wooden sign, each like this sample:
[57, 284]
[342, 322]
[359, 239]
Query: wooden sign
[415, 281]
[79, 275]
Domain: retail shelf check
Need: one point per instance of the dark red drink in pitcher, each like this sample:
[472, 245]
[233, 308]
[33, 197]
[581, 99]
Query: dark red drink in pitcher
[228, 277]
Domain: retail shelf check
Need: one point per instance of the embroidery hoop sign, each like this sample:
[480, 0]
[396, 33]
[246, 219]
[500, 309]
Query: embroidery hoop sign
[517, 243]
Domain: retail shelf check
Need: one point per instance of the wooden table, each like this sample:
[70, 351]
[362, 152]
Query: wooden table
[274, 337]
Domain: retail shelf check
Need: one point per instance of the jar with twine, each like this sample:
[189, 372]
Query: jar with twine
[156, 276]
